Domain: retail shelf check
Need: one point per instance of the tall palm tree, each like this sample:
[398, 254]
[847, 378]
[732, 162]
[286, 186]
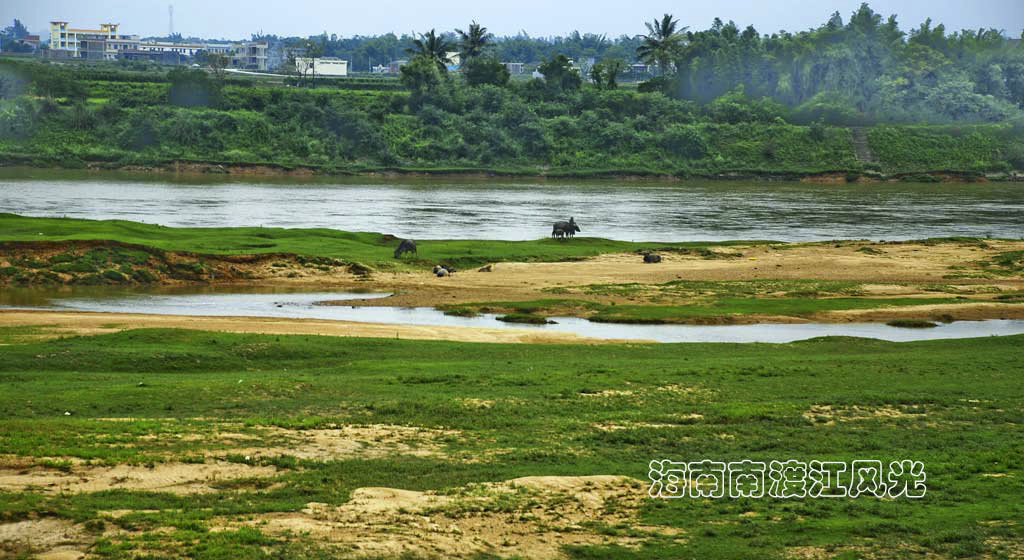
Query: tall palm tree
[433, 47]
[473, 42]
[662, 43]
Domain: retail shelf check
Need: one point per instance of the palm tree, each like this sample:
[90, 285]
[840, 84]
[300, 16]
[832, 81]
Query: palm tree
[473, 42]
[662, 43]
[433, 47]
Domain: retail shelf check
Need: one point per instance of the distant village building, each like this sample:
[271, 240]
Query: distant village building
[94, 44]
[327, 66]
[396, 65]
[106, 43]
[453, 59]
[639, 69]
[515, 68]
[30, 40]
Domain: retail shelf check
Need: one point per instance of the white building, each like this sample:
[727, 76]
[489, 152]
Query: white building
[327, 66]
[106, 43]
[96, 44]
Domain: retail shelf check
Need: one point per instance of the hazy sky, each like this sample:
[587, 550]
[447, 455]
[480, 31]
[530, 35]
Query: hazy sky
[235, 19]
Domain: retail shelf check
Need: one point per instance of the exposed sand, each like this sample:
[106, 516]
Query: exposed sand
[885, 270]
[896, 266]
[532, 517]
[18, 474]
[87, 323]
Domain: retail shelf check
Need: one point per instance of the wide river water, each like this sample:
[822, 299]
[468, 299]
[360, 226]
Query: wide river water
[517, 210]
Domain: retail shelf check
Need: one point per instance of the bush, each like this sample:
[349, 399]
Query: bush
[114, 276]
[481, 70]
[192, 88]
[816, 131]
[684, 141]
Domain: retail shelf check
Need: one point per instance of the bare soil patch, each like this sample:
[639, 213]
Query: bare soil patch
[532, 517]
[83, 323]
[47, 538]
[828, 414]
[19, 474]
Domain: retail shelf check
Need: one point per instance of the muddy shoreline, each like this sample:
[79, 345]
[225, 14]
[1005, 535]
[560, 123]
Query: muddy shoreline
[827, 177]
[880, 271]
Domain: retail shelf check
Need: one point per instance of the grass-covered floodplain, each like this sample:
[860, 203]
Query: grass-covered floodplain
[370, 248]
[508, 411]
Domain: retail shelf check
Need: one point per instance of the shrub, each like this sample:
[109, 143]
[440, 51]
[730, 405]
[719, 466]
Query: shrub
[684, 141]
[114, 276]
[192, 88]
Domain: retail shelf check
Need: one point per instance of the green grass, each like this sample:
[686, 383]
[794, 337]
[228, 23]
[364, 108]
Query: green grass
[369, 248]
[962, 403]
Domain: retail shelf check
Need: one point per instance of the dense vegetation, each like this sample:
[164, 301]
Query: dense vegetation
[725, 102]
[552, 410]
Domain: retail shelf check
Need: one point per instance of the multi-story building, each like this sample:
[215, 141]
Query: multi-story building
[251, 55]
[106, 43]
[96, 44]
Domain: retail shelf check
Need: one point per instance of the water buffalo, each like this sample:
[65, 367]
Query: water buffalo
[650, 258]
[443, 270]
[406, 246]
[565, 229]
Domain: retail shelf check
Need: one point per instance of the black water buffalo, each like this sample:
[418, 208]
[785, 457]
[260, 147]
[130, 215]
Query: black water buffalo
[650, 258]
[565, 229]
[406, 246]
[441, 270]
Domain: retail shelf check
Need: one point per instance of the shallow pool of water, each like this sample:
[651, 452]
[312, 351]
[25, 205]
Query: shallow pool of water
[304, 305]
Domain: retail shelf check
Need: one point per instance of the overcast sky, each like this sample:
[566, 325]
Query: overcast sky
[236, 19]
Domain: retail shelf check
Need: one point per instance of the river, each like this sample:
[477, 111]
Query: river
[517, 210]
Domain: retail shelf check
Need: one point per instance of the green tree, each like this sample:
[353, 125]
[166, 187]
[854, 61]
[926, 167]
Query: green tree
[422, 77]
[432, 47]
[560, 75]
[485, 70]
[473, 42]
[662, 44]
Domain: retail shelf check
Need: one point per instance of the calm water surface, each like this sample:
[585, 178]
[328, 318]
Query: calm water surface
[304, 305]
[499, 209]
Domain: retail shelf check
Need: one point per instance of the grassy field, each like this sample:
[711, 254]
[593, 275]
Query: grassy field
[506, 411]
[369, 248]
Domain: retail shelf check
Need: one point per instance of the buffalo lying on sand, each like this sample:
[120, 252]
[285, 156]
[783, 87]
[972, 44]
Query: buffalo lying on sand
[565, 229]
[441, 270]
[651, 258]
[406, 246]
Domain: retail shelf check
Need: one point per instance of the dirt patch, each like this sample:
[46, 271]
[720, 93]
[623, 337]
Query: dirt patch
[249, 456]
[609, 393]
[349, 441]
[532, 517]
[176, 478]
[948, 312]
[904, 269]
[74, 322]
[49, 539]
[828, 414]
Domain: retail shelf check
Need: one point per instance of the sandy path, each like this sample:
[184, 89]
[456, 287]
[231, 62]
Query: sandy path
[87, 323]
